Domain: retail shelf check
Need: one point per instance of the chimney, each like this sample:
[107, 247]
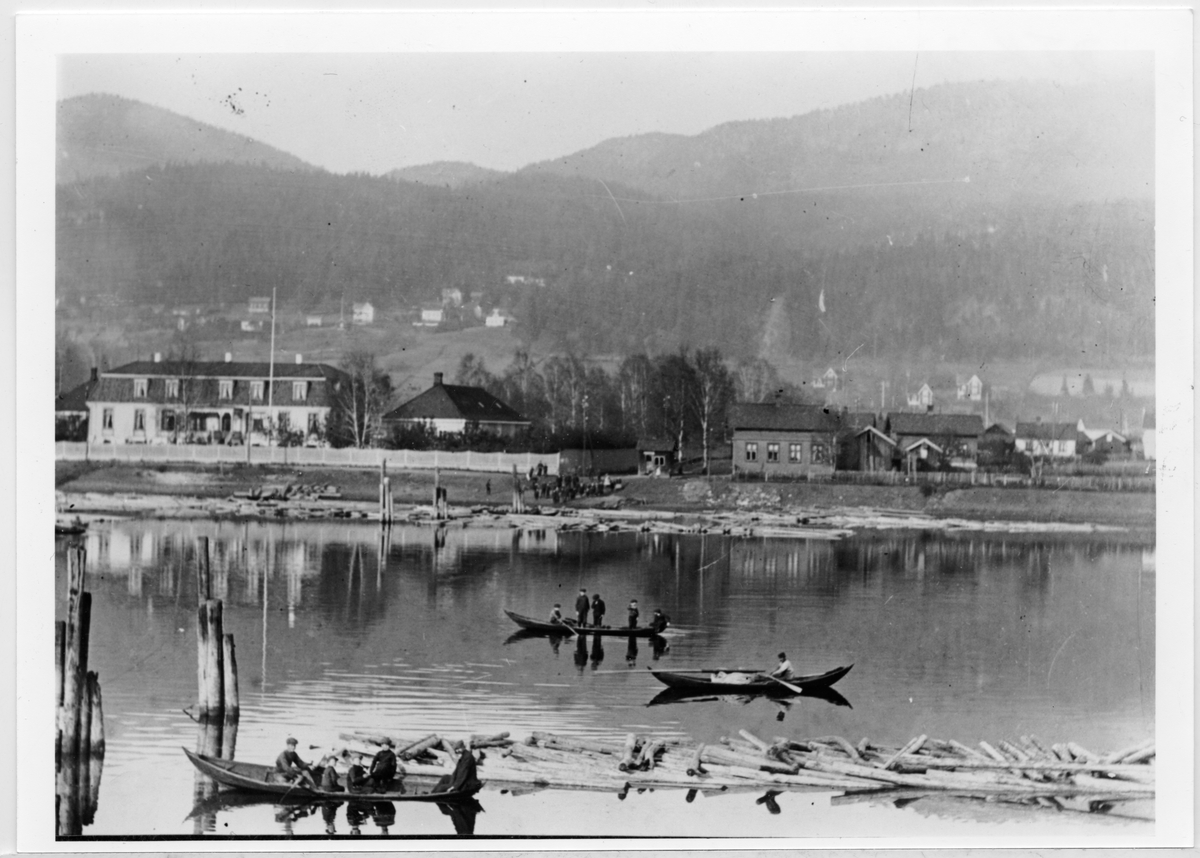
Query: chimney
[158, 357]
[299, 358]
[228, 357]
[437, 379]
[95, 375]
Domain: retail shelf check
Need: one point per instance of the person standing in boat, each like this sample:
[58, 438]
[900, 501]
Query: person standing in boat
[383, 767]
[290, 767]
[598, 607]
[581, 607]
[633, 613]
[659, 622]
[556, 617]
[783, 670]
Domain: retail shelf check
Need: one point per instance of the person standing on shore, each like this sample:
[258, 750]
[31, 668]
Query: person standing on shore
[581, 607]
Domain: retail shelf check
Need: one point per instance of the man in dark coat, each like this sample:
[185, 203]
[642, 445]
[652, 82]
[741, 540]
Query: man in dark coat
[633, 613]
[581, 607]
[383, 767]
[597, 610]
[290, 767]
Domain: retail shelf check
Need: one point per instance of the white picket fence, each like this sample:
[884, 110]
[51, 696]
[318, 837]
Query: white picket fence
[328, 457]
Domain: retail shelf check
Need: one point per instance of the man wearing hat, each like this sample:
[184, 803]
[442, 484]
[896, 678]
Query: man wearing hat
[383, 767]
[290, 767]
[581, 607]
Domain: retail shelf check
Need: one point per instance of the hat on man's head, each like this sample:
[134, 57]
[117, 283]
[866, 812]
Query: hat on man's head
[782, 655]
[387, 743]
[292, 741]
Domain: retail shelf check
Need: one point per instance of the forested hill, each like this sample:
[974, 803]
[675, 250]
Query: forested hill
[975, 270]
[1014, 139]
[103, 135]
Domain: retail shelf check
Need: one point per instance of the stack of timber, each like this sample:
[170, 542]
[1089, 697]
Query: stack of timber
[1026, 771]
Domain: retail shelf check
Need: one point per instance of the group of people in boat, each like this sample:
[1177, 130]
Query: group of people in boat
[658, 622]
[376, 777]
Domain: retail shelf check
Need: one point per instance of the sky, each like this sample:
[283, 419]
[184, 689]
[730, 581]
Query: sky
[376, 112]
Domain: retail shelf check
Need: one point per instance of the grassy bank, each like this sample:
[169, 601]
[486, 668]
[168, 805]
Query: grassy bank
[1131, 510]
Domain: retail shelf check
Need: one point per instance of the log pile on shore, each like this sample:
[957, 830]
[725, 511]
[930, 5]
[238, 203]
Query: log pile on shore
[1025, 770]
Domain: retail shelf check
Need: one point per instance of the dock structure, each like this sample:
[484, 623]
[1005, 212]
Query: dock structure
[1024, 771]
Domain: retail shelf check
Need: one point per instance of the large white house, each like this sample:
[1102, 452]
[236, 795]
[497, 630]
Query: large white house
[175, 402]
[364, 313]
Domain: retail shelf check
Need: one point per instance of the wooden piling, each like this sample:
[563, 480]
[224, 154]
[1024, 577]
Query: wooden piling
[210, 657]
[75, 656]
[60, 643]
[229, 678]
[203, 573]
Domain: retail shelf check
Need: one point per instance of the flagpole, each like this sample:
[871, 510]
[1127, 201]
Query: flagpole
[271, 372]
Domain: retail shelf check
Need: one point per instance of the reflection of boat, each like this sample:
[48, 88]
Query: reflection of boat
[702, 682]
[251, 776]
[568, 627]
[686, 695]
[73, 529]
[462, 811]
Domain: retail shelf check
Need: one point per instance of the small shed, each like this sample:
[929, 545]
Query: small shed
[656, 455]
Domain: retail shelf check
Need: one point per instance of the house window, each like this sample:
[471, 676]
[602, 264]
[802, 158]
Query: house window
[256, 391]
[139, 388]
[794, 453]
[820, 454]
[172, 388]
[751, 451]
[772, 452]
[166, 421]
[257, 423]
[225, 389]
[299, 391]
[108, 419]
[139, 420]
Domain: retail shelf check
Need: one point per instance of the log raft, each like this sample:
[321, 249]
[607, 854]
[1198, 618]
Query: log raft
[549, 761]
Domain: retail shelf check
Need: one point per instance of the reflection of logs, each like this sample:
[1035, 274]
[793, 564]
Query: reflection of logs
[79, 744]
[208, 741]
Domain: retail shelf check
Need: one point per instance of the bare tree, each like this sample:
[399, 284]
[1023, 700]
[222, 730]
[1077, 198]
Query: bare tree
[711, 390]
[359, 399]
[185, 390]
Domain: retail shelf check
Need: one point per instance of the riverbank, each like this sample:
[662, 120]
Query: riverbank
[174, 490]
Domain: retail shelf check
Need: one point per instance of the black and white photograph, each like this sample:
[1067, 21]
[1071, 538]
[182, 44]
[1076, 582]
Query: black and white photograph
[531, 428]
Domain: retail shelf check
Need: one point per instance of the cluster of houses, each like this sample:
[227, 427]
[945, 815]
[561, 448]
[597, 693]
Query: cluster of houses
[434, 314]
[777, 439]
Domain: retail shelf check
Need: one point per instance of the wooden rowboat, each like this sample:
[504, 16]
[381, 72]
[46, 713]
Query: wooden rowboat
[568, 627]
[253, 777]
[702, 682]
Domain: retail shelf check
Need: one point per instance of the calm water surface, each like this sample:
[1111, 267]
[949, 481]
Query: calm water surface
[958, 637]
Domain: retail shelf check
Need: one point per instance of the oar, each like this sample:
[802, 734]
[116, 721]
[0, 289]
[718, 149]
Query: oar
[787, 685]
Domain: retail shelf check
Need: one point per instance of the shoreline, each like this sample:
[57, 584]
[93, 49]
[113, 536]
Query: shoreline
[810, 510]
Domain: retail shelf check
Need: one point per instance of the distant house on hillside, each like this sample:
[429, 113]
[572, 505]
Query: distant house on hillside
[1047, 440]
[252, 326]
[774, 439]
[313, 320]
[497, 318]
[1106, 441]
[1149, 439]
[452, 296]
[432, 315]
[260, 305]
[453, 409]
[514, 279]
[363, 314]
[827, 380]
[922, 399]
[971, 389]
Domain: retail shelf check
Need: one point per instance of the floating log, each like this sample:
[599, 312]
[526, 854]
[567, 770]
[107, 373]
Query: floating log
[696, 768]
[911, 748]
[850, 750]
[630, 739]
[572, 744]
[417, 747]
[754, 740]
[1080, 752]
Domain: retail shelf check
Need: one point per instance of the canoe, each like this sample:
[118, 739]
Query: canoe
[69, 529]
[568, 627]
[702, 682]
[253, 777]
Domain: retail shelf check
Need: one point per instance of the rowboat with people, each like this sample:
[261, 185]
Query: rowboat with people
[260, 778]
[567, 628]
[746, 681]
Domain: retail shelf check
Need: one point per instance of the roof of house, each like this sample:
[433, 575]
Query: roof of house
[117, 385]
[922, 442]
[858, 419]
[932, 425]
[1048, 431]
[74, 400]
[871, 430]
[655, 444]
[455, 402]
[783, 418]
[998, 429]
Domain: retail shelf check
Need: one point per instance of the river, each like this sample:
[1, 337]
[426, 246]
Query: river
[967, 637]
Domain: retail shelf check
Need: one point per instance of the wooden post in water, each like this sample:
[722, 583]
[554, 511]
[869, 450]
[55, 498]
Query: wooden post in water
[382, 491]
[210, 670]
[229, 678]
[60, 643]
[75, 655]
